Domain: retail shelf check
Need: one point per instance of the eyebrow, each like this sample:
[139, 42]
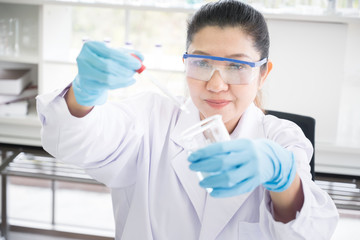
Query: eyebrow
[236, 55]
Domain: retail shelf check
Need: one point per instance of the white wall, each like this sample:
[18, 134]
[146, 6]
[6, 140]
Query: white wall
[349, 117]
[308, 71]
[317, 73]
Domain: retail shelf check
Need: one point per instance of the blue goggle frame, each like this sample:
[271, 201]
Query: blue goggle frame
[251, 64]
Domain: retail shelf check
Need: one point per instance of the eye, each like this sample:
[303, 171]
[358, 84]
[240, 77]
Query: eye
[201, 63]
[237, 66]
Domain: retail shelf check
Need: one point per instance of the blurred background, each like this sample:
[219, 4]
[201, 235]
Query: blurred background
[314, 47]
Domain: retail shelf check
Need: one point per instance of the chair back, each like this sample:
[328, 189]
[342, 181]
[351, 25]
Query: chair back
[307, 125]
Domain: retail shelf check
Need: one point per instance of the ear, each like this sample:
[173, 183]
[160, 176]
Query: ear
[265, 73]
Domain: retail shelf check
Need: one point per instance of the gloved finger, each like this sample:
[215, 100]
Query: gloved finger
[207, 152]
[114, 81]
[240, 188]
[223, 161]
[120, 77]
[95, 84]
[238, 145]
[229, 178]
[93, 77]
[102, 51]
[133, 51]
[128, 61]
[89, 59]
[213, 164]
[219, 162]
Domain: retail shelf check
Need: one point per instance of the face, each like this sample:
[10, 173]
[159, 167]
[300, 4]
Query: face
[216, 96]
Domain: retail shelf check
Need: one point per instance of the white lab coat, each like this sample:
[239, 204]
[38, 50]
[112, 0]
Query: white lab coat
[135, 149]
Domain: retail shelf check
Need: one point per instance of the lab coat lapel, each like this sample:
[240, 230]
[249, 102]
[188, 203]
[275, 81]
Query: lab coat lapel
[219, 211]
[188, 178]
[217, 214]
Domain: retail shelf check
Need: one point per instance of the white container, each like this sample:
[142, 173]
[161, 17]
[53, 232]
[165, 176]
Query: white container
[13, 81]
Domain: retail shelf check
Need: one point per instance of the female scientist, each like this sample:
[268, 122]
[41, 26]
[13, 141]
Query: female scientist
[262, 188]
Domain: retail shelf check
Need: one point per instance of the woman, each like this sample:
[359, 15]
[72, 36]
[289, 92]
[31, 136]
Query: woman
[262, 188]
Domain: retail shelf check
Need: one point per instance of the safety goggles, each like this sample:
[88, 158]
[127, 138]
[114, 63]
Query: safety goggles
[232, 71]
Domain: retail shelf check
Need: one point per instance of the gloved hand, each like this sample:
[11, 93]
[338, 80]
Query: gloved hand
[241, 165]
[101, 68]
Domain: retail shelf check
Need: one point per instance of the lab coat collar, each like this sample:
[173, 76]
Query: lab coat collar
[250, 124]
[217, 212]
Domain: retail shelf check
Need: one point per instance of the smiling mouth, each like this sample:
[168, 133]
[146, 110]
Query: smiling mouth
[217, 103]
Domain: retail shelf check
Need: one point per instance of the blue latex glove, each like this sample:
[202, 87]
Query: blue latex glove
[101, 68]
[239, 166]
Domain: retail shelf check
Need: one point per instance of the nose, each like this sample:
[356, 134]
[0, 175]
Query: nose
[216, 83]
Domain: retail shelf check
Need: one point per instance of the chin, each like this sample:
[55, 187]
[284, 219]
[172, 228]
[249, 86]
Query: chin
[225, 114]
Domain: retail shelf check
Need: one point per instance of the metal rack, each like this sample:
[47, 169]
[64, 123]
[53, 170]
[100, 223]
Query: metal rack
[34, 162]
[344, 190]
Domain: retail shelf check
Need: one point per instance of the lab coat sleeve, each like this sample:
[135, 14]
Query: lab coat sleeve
[318, 216]
[105, 142]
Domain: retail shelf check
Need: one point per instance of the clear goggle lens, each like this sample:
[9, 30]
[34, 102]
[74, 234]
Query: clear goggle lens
[232, 72]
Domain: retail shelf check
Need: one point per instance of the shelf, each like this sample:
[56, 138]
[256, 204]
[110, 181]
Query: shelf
[132, 5]
[25, 58]
[297, 14]
[308, 14]
[28, 2]
[31, 120]
[21, 130]
[328, 18]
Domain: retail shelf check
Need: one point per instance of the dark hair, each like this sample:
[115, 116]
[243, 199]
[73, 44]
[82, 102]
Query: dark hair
[234, 14]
